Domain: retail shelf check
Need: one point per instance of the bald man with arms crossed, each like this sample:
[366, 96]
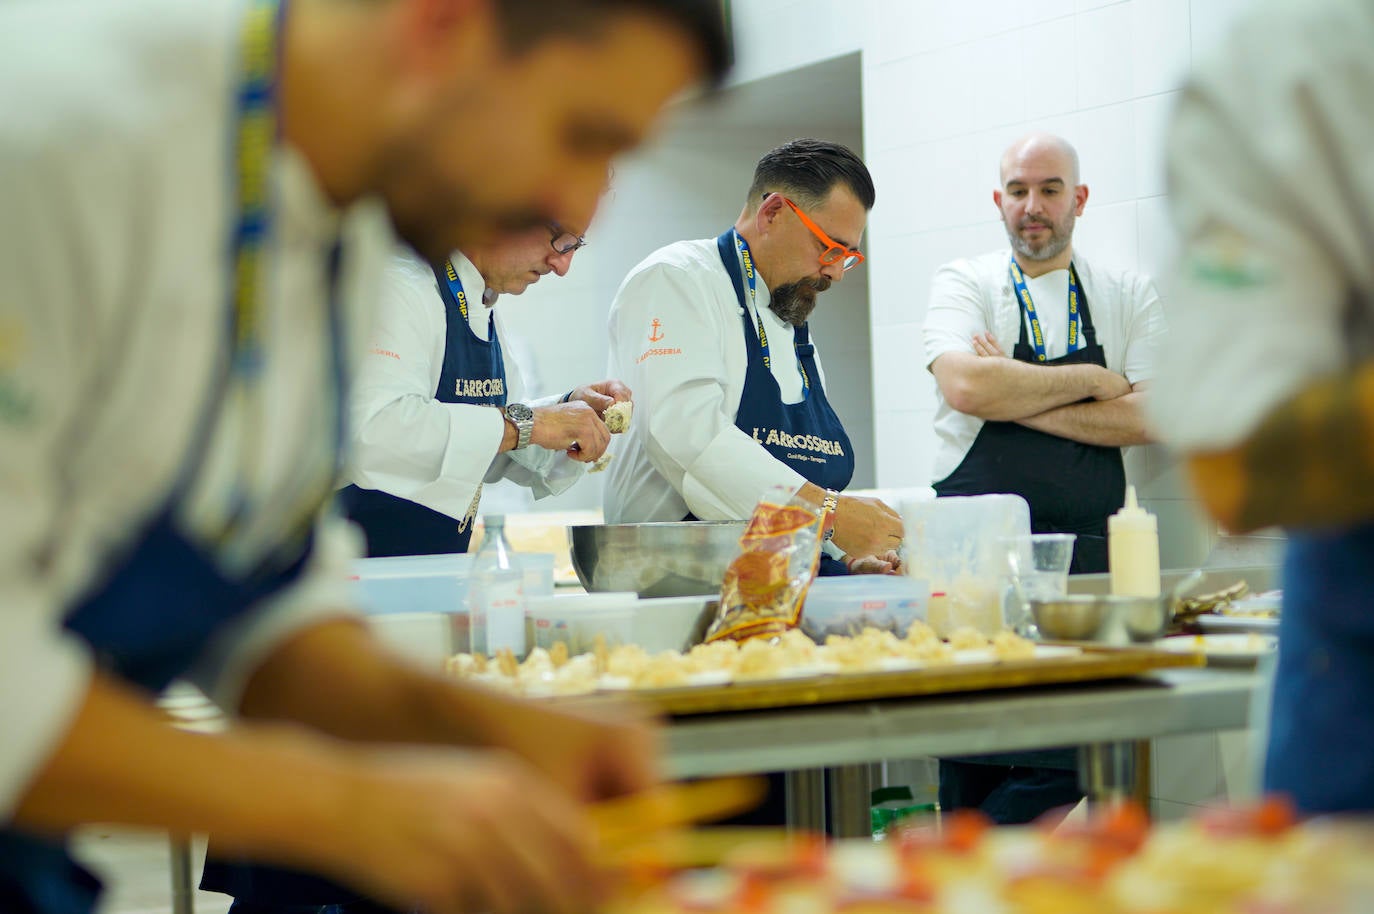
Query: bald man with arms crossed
[1040, 360]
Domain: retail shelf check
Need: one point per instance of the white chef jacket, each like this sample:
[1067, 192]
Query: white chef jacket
[114, 286]
[407, 443]
[976, 295]
[683, 452]
[1275, 206]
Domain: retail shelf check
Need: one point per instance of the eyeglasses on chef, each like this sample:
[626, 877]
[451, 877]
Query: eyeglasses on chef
[564, 241]
[834, 252]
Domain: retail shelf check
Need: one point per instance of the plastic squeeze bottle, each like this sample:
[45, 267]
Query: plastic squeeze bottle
[1133, 550]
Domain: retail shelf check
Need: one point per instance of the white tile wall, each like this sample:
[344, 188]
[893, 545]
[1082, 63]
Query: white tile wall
[1103, 48]
[1103, 73]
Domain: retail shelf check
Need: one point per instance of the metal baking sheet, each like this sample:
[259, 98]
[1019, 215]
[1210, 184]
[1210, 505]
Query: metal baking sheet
[1093, 663]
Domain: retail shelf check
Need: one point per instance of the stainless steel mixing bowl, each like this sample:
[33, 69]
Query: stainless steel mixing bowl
[1100, 617]
[675, 559]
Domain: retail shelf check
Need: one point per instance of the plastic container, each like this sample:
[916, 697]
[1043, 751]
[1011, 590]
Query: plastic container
[577, 619]
[1133, 550]
[424, 637]
[418, 583]
[496, 595]
[848, 605]
[957, 545]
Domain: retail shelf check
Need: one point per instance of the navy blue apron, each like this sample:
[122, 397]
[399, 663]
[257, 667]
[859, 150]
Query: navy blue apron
[167, 597]
[807, 436]
[473, 372]
[1321, 734]
[1070, 487]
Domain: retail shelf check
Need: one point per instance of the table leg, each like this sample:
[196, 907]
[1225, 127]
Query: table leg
[806, 800]
[1108, 772]
[850, 790]
[183, 893]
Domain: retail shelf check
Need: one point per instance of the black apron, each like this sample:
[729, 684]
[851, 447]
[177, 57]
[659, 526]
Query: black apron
[1070, 487]
[473, 372]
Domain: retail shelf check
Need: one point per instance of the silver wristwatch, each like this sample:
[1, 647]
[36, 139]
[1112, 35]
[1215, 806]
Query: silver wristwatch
[522, 417]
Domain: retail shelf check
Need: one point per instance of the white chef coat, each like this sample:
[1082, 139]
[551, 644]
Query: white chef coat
[1275, 206]
[406, 442]
[976, 295]
[114, 286]
[683, 452]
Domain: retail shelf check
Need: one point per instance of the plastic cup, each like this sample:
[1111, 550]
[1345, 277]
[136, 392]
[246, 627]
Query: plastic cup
[1039, 565]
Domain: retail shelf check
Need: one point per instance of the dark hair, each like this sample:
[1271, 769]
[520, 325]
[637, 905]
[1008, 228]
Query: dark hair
[807, 170]
[526, 22]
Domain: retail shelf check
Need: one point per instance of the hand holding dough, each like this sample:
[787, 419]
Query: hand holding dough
[617, 417]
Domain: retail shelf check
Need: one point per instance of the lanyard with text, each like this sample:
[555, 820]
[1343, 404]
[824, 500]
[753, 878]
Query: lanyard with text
[1023, 295]
[455, 285]
[751, 280]
[255, 135]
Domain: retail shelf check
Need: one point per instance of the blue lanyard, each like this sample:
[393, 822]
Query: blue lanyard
[1023, 295]
[455, 285]
[254, 138]
[751, 279]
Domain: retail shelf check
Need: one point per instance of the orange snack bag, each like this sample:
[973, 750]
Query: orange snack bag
[765, 585]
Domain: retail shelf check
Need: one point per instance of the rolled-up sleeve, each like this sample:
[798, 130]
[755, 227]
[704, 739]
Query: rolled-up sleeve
[955, 314]
[689, 420]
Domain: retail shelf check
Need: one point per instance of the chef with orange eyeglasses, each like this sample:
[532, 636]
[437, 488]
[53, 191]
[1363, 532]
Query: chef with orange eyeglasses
[730, 396]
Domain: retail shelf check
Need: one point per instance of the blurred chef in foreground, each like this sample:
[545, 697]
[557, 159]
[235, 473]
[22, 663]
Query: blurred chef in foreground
[196, 203]
[1268, 382]
[713, 337]
[436, 408]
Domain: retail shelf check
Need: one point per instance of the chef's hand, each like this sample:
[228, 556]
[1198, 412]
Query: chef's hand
[889, 562]
[602, 395]
[984, 344]
[866, 526]
[594, 753]
[574, 427]
[445, 831]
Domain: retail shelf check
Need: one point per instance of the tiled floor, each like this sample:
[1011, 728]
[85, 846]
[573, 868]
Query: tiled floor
[136, 868]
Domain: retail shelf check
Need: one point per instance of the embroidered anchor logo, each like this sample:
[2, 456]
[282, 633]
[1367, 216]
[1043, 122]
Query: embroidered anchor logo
[654, 335]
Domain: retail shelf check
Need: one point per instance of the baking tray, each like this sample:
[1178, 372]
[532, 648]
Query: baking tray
[1095, 662]
[1217, 624]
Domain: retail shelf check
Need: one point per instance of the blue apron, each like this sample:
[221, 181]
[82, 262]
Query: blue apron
[1321, 735]
[167, 597]
[473, 372]
[807, 436]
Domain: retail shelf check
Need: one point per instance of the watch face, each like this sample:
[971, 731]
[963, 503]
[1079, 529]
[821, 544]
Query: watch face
[519, 411]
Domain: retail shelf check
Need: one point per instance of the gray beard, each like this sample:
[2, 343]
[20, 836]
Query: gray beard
[794, 301]
[1051, 249]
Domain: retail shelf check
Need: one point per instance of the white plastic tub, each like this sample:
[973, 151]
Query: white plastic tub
[846, 605]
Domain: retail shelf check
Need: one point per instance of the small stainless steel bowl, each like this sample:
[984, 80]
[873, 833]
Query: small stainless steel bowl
[674, 559]
[1102, 618]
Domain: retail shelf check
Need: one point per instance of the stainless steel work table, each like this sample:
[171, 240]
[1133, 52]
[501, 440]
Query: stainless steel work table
[846, 738]
[1103, 716]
